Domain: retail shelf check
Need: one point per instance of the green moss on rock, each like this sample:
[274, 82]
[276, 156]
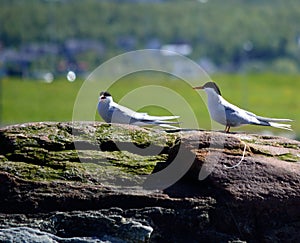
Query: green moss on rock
[45, 151]
[288, 157]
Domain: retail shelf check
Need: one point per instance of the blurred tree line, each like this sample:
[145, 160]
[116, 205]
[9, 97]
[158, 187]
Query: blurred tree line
[224, 31]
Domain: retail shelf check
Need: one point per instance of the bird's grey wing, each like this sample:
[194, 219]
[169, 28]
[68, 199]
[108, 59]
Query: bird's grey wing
[155, 120]
[236, 116]
[250, 113]
[121, 114]
[266, 120]
[159, 118]
[142, 116]
[230, 115]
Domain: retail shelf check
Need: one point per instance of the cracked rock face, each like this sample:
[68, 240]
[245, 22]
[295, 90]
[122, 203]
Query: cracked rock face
[96, 182]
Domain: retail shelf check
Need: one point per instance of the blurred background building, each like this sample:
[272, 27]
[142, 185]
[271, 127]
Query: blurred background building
[40, 38]
[251, 45]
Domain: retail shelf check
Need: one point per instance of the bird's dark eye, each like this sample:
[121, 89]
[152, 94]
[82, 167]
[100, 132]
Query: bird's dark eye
[102, 97]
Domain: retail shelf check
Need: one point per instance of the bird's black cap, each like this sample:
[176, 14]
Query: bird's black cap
[212, 85]
[105, 93]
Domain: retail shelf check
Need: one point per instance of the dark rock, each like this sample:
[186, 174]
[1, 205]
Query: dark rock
[93, 182]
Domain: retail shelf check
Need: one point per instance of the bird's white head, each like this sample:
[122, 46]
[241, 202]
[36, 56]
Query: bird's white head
[105, 97]
[210, 87]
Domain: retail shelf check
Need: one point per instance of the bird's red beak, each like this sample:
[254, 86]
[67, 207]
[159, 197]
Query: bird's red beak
[198, 87]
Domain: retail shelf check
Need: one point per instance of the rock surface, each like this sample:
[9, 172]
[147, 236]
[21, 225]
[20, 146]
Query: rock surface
[96, 182]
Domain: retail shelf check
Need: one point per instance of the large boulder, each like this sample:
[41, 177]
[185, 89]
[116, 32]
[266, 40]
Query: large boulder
[93, 182]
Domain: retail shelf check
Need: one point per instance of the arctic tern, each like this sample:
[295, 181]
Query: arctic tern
[232, 116]
[111, 112]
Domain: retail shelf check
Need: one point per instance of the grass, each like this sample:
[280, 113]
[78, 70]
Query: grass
[273, 95]
[27, 100]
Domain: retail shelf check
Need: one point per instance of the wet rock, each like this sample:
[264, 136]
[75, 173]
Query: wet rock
[27, 234]
[93, 182]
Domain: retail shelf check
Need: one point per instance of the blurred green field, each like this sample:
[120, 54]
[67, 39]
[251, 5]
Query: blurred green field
[273, 95]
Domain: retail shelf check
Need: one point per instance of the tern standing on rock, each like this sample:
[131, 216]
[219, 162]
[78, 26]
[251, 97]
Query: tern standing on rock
[232, 116]
[112, 112]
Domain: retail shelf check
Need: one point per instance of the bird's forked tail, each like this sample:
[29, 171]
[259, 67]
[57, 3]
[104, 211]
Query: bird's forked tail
[281, 126]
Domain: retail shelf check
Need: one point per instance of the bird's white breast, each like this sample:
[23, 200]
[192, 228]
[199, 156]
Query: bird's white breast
[103, 108]
[216, 107]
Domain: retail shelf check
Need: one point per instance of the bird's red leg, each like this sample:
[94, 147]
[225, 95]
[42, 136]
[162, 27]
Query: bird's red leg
[227, 128]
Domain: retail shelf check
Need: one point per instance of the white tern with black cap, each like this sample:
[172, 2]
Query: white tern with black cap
[230, 115]
[111, 112]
